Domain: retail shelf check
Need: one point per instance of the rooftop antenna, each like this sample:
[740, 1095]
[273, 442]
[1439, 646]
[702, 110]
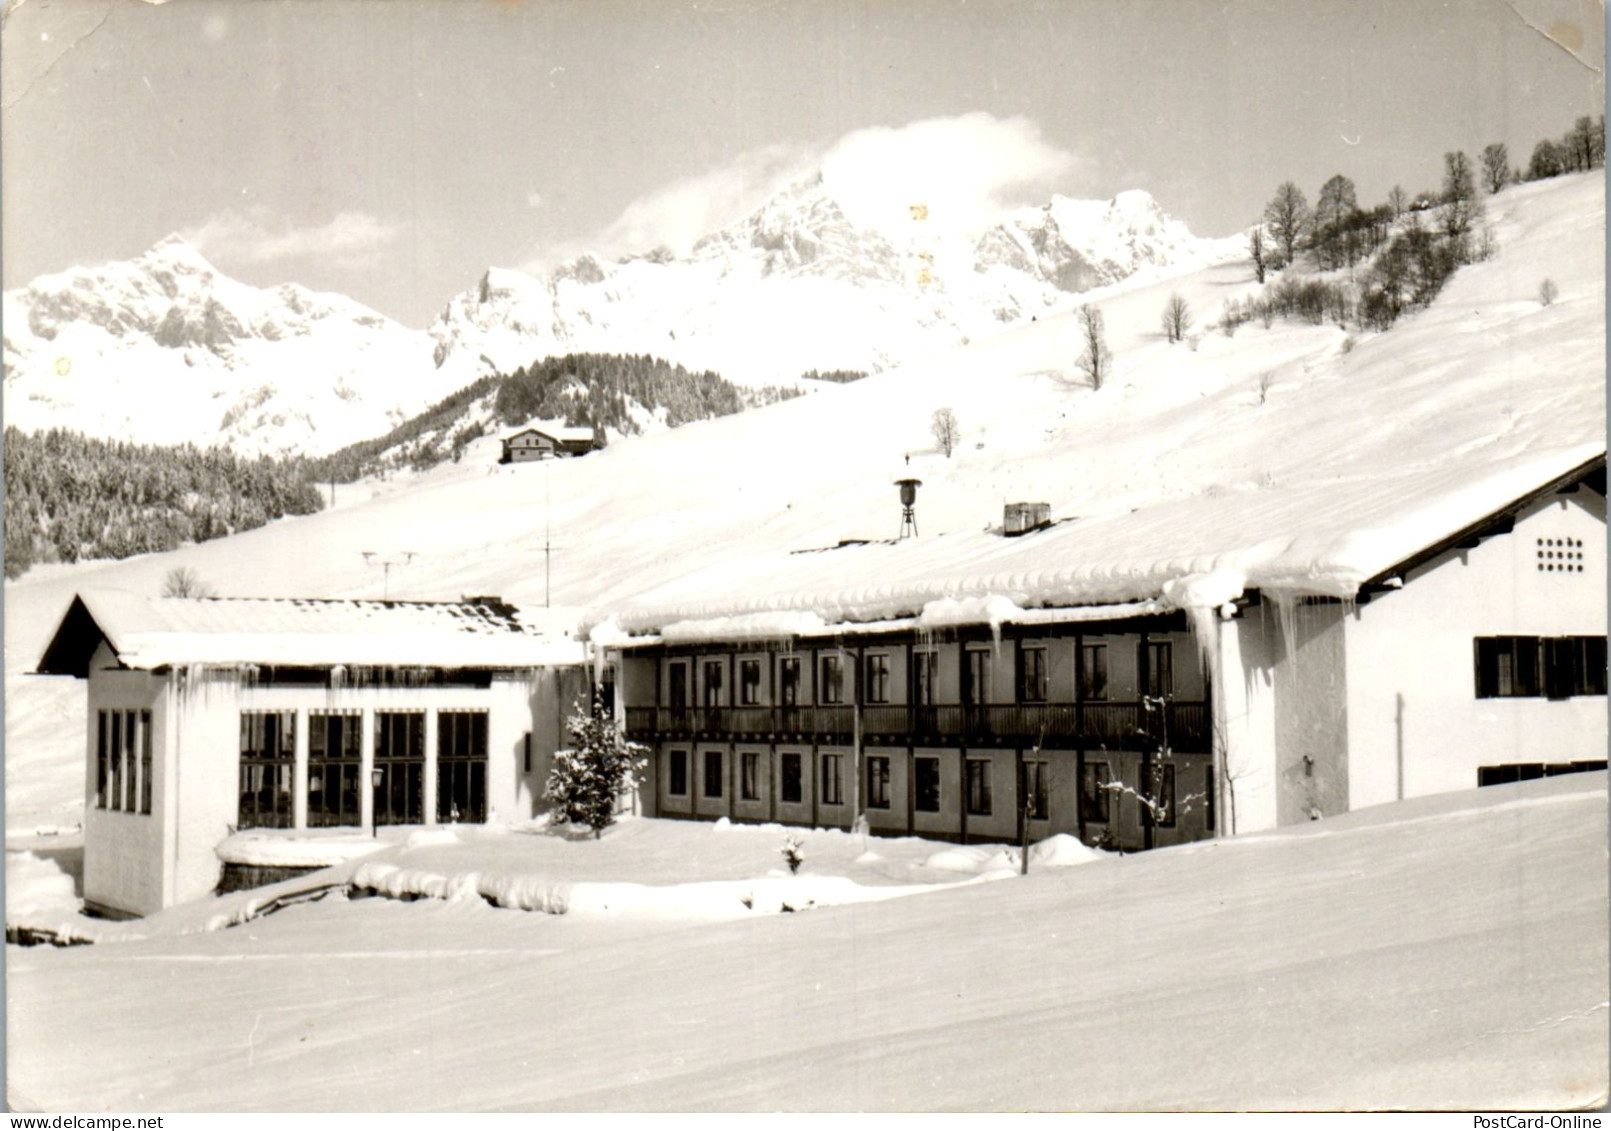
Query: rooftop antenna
[373, 557]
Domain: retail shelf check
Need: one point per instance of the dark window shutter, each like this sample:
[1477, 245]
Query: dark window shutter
[1560, 667]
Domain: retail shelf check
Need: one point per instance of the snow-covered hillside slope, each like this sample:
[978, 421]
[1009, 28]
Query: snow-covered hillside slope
[165, 349]
[796, 285]
[1446, 952]
[1486, 384]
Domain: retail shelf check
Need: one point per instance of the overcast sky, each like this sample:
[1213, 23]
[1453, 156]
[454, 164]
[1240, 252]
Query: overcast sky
[394, 150]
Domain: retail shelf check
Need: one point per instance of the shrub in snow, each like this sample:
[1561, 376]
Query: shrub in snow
[591, 773]
[1548, 292]
[792, 855]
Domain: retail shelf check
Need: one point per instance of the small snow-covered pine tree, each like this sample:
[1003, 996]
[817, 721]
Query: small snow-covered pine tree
[591, 773]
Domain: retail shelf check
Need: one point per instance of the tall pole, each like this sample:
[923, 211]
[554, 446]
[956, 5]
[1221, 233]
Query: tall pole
[548, 502]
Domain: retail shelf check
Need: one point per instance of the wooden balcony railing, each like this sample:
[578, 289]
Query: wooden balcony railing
[1122, 726]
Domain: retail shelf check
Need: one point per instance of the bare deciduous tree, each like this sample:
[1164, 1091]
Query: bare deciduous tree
[184, 582]
[1495, 167]
[1398, 200]
[1548, 292]
[1287, 217]
[1095, 359]
[1460, 205]
[1261, 254]
[1336, 204]
[1176, 318]
[947, 432]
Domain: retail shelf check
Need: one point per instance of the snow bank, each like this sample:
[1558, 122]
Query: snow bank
[975, 861]
[1063, 851]
[268, 848]
[712, 899]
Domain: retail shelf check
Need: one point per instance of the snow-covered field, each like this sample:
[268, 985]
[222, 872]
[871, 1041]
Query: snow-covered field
[1441, 952]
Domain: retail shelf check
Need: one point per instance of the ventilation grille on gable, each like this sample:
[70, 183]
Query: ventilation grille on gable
[1560, 555]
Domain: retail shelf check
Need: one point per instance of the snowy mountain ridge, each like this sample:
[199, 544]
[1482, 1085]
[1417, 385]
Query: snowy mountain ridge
[794, 285]
[164, 348]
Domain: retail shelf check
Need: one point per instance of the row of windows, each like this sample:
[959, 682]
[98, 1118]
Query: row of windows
[123, 773]
[1096, 783]
[1555, 667]
[335, 755]
[977, 677]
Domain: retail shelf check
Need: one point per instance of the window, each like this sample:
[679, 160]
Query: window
[1509, 667]
[749, 682]
[977, 691]
[789, 681]
[926, 784]
[749, 778]
[877, 783]
[400, 756]
[461, 766]
[713, 683]
[833, 679]
[335, 757]
[978, 783]
[267, 765]
[123, 761]
[1160, 669]
[1527, 771]
[1094, 795]
[713, 773]
[790, 790]
[926, 667]
[878, 678]
[1033, 677]
[1033, 788]
[1094, 671]
[832, 793]
[114, 787]
[677, 692]
[677, 773]
[1162, 792]
[144, 732]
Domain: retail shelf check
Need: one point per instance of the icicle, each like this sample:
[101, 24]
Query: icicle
[1286, 608]
[1204, 625]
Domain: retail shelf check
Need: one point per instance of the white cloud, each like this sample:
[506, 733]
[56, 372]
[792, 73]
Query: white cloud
[943, 176]
[959, 174]
[351, 239]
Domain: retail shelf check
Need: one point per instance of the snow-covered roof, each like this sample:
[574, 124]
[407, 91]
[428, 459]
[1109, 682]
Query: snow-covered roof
[1199, 552]
[155, 632]
[564, 433]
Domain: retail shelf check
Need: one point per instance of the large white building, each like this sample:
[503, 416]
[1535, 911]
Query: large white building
[213, 715]
[1223, 663]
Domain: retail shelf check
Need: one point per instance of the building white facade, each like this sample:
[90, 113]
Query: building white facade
[208, 716]
[1413, 650]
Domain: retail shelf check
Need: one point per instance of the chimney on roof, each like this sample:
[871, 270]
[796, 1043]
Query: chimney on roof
[1021, 518]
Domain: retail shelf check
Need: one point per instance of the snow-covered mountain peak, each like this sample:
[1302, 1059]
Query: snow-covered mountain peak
[175, 255]
[281, 369]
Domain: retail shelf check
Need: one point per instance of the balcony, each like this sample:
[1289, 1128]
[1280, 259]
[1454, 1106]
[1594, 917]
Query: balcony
[1116, 726]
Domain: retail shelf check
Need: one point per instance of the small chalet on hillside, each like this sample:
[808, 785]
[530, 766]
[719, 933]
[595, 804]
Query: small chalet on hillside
[208, 716]
[1222, 664]
[547, 443]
